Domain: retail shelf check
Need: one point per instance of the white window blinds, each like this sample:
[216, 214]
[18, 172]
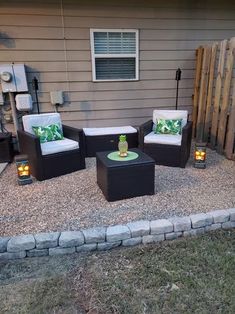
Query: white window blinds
[114, 43]
[114, 55]
[115, 68]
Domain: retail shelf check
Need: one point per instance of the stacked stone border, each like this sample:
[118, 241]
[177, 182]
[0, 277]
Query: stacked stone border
[106, 238]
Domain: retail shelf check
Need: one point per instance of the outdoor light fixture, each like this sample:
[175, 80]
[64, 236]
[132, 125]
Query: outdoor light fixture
[200, 156]
[35, 87]
[23, 169]
[177, 78]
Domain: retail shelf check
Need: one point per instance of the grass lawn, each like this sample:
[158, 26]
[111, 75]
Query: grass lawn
[194, 275]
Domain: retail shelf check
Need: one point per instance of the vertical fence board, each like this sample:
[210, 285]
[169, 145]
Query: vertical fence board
[225, 99]
[230, 138]
[199, 54]
[213, 112]
[210, 92]
[218, 88]
[203, 93]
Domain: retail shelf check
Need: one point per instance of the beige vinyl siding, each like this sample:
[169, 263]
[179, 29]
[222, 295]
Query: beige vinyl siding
[52, 38]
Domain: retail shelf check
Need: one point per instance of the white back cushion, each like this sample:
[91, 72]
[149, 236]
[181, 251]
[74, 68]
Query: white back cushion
[171, 115]
[43, 119]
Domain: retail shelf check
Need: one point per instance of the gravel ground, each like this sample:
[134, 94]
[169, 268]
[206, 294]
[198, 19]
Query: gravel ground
[74, 201]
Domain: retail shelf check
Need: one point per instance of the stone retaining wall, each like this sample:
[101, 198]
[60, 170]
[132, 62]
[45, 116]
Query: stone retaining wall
[106, 238]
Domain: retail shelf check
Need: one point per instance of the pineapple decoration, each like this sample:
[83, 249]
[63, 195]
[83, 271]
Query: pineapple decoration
[122, 146]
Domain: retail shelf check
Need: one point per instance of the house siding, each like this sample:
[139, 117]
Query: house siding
[52, 38]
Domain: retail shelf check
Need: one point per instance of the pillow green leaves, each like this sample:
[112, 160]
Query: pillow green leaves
[172, 127]
[48, 133]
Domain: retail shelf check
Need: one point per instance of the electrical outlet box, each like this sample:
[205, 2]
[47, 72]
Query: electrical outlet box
[24, 102]
[13, 78]
[57, 97]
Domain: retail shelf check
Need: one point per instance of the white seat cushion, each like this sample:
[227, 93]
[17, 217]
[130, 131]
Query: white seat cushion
[43, 119]
[58, 146]
[169, 139]
[170, 115]
[109, 130]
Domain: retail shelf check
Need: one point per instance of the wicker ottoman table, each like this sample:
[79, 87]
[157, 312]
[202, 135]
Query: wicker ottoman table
[106, 138]
[125, 179]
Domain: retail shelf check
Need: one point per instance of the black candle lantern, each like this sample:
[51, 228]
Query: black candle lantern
[200, 156]
[23, 169]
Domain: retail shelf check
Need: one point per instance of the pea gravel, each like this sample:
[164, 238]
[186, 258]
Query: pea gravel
[74, 201]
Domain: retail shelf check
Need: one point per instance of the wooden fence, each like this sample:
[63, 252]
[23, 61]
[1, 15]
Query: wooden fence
[214, 97]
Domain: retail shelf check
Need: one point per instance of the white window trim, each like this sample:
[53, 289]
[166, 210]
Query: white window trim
[94, 56]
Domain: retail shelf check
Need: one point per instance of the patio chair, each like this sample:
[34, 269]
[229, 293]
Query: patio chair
[51, 158]
[167, 149]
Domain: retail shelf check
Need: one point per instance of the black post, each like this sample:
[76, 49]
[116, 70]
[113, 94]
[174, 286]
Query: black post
[35, 87]
[177, 78]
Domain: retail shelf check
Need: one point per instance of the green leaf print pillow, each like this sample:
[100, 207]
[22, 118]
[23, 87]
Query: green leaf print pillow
[48, 133]
[172, 127]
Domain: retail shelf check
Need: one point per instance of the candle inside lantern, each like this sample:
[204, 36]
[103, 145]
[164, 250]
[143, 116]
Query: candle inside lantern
[200, 156]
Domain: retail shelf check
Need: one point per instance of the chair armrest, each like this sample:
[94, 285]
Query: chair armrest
[76, 135]
[71, 132]
[29, 144]
[144, 129]
[187, 132]
[186, 142]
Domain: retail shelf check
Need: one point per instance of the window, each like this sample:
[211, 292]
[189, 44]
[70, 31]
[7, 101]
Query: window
[114, 55]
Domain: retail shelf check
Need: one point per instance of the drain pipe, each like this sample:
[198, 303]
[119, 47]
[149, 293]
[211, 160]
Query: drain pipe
[14, 112]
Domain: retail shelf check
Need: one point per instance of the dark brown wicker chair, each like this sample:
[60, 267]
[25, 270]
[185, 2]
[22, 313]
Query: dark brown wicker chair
[166, 154]
[47, 166]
